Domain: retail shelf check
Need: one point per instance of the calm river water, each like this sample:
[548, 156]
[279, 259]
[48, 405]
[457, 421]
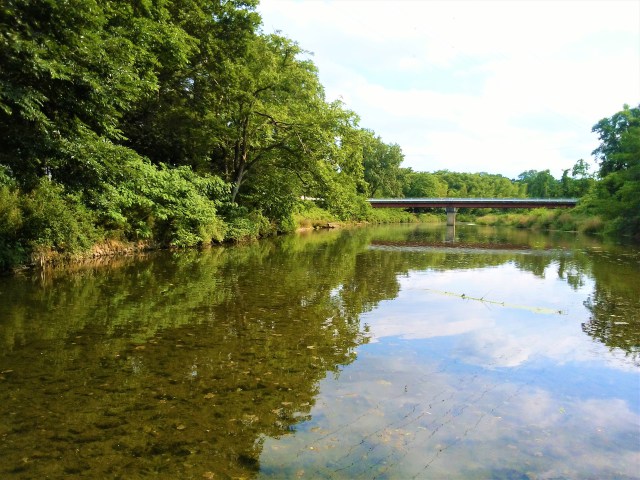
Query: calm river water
[397, 352]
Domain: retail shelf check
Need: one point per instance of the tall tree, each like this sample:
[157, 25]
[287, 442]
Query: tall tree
[616, 151]
[423, 185]
[180, 123]
[69, 72]
[276, 118]
[382, 166]
[617, 195]
[540, 184]
[578, 182]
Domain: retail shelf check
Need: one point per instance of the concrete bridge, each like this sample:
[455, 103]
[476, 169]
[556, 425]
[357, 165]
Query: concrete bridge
[452, 204]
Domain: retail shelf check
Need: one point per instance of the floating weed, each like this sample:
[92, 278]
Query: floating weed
[542, 310]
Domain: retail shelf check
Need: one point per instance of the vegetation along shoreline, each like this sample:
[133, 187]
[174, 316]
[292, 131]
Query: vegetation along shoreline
[127, 129]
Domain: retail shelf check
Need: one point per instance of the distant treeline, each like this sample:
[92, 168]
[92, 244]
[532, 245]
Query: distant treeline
[181, 123]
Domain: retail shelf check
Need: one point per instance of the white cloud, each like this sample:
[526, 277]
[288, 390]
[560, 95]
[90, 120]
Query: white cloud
[454, 82]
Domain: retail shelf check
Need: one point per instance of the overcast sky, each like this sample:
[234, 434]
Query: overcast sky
[473, 86]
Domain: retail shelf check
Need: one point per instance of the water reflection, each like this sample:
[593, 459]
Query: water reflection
[371, 353]
[614, 302]
[171, 365]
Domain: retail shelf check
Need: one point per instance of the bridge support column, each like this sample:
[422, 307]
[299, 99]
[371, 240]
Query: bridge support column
[451, 216]
[451, 234]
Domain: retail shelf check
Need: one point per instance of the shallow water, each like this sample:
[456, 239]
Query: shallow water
[395, 352]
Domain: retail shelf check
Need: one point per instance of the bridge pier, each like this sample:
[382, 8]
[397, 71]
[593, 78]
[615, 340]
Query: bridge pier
[451, 234]
[451, 216]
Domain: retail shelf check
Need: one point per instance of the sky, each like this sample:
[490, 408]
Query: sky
[473, 86]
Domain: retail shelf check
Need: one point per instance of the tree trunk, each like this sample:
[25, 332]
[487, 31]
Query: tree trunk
[237, 183]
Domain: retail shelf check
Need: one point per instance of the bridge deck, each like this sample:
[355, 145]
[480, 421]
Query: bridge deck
[473, 202]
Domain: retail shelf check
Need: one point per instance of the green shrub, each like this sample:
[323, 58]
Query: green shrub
[390, 215]
[6, 180]
[242, 229]
[242, 225]
[309, 215]
[11, 250]
[591, 225]
[566, 221]
[184, 213]
[287, 224]
[488, 219]
[430, 218]
[55, 220]
[170, 206]
[342, 201]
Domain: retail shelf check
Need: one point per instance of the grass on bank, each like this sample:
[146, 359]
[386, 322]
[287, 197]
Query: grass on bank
[545, 219]
[309, 215]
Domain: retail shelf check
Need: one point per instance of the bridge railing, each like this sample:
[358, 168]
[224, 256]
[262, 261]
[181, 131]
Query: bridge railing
[473, 202]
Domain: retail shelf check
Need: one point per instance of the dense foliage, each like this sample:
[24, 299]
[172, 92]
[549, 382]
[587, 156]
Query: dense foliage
[617, 195]
[178, 122]
[174, 123]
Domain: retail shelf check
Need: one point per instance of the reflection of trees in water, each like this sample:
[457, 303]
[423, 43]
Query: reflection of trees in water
[175, 367]
[615, 304]
[615, 322]
[181, 364]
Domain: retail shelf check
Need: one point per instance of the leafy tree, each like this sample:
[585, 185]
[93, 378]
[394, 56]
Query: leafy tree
[180, 123]
[477, 185]
[616, 152]
[69, 70]
[143, 120]
[540, 184]
[265, 108]
[423, 185]
[278, 125]
[579, 182]
[617, 195]
[381, 166]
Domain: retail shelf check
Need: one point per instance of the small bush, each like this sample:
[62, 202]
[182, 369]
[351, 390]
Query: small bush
[56, 221]
[429, 218]
[309, 215]
[169, 206]
[591, 225]
[390, 215]
[11, 251]
[5, 177]
[489, 219]
[242, 229]
[243, 225]
[566, 222]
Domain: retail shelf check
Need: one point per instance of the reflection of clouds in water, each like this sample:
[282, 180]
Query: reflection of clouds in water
[493, 349]
[491, 335]
[411, 419]
[459, 411]
[496, 347]
[598, 434]
[505, 283]
[423, 325]
[456, 405]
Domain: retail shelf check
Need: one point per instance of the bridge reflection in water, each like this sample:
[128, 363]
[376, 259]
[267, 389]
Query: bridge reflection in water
[452, 204]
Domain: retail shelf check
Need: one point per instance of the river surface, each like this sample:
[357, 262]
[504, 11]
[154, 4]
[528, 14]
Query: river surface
[397, 352]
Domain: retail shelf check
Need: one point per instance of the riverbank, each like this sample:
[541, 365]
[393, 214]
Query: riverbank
[308, 217]
[545, 219]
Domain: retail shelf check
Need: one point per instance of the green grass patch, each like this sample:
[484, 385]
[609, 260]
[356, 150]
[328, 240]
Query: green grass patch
[546, 219]
[309, 215]
[398, 215]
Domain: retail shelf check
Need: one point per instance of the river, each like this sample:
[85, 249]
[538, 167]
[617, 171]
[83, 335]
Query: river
[394, 352]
